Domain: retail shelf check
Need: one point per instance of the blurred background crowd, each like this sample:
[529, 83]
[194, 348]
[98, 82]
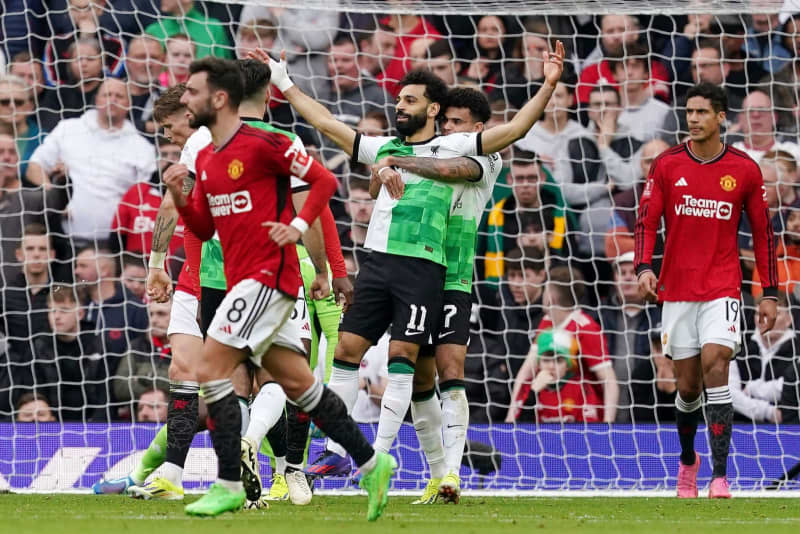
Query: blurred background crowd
[81, 157]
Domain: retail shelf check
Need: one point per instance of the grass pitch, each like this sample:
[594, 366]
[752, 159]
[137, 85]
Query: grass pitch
[89, 514]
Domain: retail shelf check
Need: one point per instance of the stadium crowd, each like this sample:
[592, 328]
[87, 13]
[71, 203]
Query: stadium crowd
[80, 183]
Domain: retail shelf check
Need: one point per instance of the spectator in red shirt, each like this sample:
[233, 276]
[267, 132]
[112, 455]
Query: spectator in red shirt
[558, 397]
[376, 49]
[564, 291]
[136, 215]
[409, 28]
[617, 32]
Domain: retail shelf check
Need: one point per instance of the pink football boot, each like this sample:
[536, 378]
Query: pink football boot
[719, 489]
[687, 479]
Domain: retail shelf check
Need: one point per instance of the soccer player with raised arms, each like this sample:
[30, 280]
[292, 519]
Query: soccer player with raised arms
[401, 283]
[701, 188]
[442, 429]
[241, 193]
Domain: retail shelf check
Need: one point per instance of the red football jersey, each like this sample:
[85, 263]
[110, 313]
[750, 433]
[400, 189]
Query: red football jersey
[244, 184]
[189, 279]
[592, 347]
[136, 218]
[569, 404]
[701, 203]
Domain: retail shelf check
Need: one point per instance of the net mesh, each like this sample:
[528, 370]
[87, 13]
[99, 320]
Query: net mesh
[94, 385]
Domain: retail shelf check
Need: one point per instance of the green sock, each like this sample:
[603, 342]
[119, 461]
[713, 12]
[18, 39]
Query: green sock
[153, 457]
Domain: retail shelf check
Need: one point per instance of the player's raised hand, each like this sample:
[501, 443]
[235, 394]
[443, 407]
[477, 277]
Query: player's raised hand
[282, 234]
[647, 286]
[158, 285]
[320, 287]
[343, 291]
[279, 76]
[173, 178]
[767, 312]
[554, 63]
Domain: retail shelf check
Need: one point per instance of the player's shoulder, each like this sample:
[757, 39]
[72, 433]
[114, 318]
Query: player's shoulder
[267, 127]
[259, 135]
[672, 153]
[380, 140]
[740, 157]
[200, 139]
[457, 139]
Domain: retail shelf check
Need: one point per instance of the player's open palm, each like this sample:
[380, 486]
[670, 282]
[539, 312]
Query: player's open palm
[554, 63]
[158, 285]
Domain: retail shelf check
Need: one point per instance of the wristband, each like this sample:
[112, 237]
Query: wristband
[383, 169]
[299, 224]
[157, 260]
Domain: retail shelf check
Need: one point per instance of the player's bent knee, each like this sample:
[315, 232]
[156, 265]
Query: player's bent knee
[403, 349]
[242, 381]
[185, 352]
[289, 369]
[351, 347]
[217, 361]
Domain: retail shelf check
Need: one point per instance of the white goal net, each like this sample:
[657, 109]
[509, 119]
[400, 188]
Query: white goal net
[83, 359]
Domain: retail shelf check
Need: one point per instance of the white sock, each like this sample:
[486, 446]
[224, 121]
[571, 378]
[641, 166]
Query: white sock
[173, 473]
[245, 409]
[370, 464]
[395, 403]
[343, 382]
[280, 465]
[427, 415]
[232, 485]
[455, 418]
[266, 410]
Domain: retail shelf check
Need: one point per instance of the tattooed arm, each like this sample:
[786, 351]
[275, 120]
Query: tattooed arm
[159, 284]
[461, 169]
[167, 217]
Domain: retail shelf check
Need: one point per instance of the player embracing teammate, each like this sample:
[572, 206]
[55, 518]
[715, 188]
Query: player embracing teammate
[701, 188]
[426, 186]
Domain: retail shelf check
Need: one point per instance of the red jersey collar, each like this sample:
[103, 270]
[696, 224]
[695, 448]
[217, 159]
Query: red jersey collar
[716, 158]
[229, 139]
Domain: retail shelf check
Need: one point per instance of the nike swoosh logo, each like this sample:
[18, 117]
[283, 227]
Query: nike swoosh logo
[387, 408]
[413, 332]
[445, 334]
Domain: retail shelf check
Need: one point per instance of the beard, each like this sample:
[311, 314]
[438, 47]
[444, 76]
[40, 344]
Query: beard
[202, 117]
[412, 125]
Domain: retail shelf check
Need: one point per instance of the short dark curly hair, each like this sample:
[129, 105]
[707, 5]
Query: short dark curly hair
[715, 94]
[472, 99]
[435, 88]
